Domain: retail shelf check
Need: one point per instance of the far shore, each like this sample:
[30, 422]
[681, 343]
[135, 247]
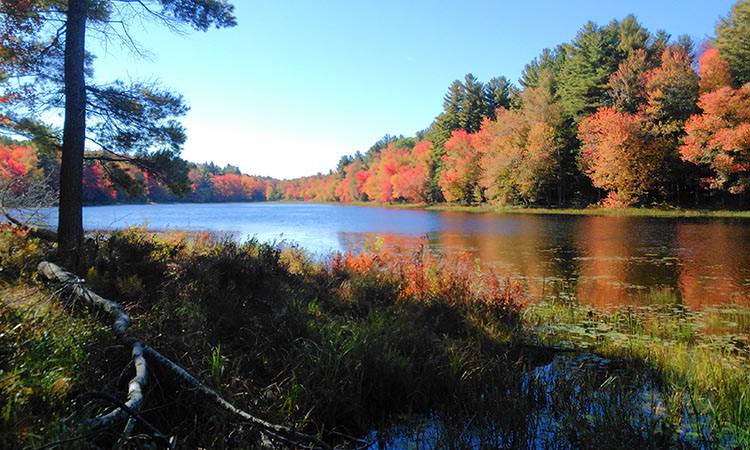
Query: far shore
[587, 211]
[666, 212]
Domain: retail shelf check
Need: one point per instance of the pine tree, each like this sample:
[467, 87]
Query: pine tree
[733, 40]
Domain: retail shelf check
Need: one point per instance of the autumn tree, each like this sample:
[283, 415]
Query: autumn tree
[671, 91]
[521, 150]
[122, 121]
[619, 155]
[350, 187]
[379, 185]
[718, 139]
[713, 71]
[460, 179]
[465, 106]
[410, 182]
[627, 86]
[500, 144]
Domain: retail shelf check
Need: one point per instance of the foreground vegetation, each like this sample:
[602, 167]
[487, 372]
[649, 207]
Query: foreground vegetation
[355, 343]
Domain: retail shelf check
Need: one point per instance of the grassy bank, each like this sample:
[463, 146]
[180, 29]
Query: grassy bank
[595, 211]
[665, 212]
[356, 343]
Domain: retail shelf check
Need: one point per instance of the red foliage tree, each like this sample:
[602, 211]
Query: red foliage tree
[96, 186]
[17, 164]
[719, 138]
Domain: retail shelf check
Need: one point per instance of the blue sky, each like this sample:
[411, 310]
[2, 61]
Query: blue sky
[299, 83]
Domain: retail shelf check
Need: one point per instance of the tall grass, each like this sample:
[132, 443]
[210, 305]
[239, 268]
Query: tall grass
[47, 357]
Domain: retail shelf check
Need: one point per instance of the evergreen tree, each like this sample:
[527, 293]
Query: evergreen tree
[584, 75]
[497, 93]
[473, 105]
[733, 40]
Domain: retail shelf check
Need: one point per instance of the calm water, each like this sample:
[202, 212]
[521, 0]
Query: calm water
[599, 260]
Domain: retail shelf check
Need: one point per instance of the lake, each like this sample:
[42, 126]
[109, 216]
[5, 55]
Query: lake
[600, 260]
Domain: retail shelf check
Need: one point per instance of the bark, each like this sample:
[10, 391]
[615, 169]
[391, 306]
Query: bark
[70, 222]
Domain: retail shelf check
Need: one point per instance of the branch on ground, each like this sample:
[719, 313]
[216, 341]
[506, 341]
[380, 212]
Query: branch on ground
[120, 326]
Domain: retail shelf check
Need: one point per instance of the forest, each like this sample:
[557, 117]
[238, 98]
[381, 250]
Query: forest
[620, 116]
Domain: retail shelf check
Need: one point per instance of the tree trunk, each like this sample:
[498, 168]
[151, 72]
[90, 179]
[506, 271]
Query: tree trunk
[70, 221]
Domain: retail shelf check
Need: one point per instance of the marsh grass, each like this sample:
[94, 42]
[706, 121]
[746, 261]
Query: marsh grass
[597, 211]
[701, 357]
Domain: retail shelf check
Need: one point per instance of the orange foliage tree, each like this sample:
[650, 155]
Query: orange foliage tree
[350, 187]
[228, 187]
[411, 180]
[520, 149]
[459, 180]
[619, 155]
[399, 174]
[713, 70]
[671, 93]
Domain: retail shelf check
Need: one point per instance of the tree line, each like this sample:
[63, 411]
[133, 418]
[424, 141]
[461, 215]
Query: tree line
[619, 116]
[23, 165]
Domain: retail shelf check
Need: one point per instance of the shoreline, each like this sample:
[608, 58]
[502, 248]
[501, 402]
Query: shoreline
[588, 211]
[493, 209]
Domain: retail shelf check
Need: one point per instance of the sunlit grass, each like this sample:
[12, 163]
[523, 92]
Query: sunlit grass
[47, 356]
[703, 357]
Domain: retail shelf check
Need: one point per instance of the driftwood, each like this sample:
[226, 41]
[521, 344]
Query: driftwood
[120, 326]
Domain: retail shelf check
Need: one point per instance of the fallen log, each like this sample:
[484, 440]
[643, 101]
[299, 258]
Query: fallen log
[120, 327]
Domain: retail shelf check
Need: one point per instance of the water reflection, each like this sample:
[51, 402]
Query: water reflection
[574, 401]
[597, 260]
[713, 260]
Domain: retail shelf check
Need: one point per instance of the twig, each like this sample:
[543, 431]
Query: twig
[42, 233]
